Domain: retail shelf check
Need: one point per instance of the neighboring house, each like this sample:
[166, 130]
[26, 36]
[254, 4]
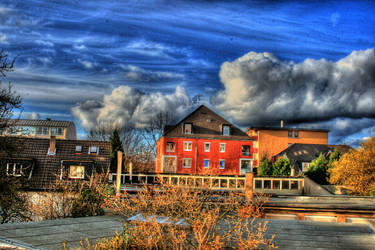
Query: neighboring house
[41, 129]
[204, 143]
[269, 141]
[301, 155]
[41, 161]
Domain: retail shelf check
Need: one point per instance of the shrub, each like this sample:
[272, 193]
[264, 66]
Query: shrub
[317, 171]
[265, 166]
[281, 167]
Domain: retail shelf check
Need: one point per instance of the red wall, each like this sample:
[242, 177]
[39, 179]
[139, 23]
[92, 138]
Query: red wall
[232, 154]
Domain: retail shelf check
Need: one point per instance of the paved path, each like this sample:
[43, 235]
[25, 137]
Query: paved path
[291, 234]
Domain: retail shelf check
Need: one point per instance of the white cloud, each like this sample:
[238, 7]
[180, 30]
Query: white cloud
[86, 64]
[44, 43]
[137, 74]
[129, 106]
[33, 116]
[262, 89]
[3, 39]
[149, 48]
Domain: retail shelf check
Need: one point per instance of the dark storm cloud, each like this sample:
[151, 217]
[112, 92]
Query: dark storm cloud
[259, 88]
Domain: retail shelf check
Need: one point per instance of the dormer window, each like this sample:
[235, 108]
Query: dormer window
[93, 150]
[188, 128]
[14, 169]
[226, 130]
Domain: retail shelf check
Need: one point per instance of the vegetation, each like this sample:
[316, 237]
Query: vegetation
[265, 166]
[317, 171]
[192, 220]
[116, 145]
[356, 169]
[281, 167]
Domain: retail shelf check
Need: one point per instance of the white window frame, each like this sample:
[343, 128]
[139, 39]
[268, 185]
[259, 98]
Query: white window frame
[13, 168]
[94, 152]
[224, 147]
[167, 149]
[183, 161]
[296, 134]
[228, 127]
[221, 167]
[209, 146]
[76, 177]
[188, 143]
[251, 164]
[304, 169]
[204, 160]
[191, 128]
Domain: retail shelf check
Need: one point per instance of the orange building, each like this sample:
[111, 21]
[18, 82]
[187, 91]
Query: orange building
[270, 141]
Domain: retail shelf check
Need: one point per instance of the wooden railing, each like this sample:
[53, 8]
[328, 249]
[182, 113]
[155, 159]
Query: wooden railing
[261, 184]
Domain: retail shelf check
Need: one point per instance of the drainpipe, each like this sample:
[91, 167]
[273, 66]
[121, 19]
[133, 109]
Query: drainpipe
[196, 155]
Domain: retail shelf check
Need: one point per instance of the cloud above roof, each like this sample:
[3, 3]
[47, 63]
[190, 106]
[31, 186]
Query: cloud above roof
[259, 88]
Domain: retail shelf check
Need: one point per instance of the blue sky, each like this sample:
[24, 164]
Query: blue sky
[307, 62]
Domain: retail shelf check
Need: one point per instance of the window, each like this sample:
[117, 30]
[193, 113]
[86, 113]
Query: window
[77, 172]
[206, 147]
[78, 148]
[226, 130]
[42, 131]
[94, 150]
[305, 166]
[28, 130]
[188, 145]
[296, 134]
[187, 128]
[290, 134]
[222, 164]
[13, 130]
[206, 163]
[186, 163]
[170, 147]
[245, 150]
[222, 147]
[57, 131]
[14, 169]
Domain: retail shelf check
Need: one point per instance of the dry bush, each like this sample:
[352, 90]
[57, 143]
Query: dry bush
[72, 198]
[193, 219]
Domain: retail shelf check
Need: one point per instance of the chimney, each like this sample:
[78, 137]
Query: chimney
[282, 124]
[52, 145]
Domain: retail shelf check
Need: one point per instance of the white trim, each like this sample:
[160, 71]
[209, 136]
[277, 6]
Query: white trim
[174, 147]
[191, 149]
[191, 162]
[14, 165]
[209, 161]
[220, 164]
[168, 156]
[251, 165]
[209, 146]
[224, 147]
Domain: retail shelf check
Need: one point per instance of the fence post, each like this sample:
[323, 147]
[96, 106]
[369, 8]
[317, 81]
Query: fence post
[249, 188]
[119, 169]
[131, 172]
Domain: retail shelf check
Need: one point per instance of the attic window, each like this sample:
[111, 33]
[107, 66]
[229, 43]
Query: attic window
[77, 172]
[79, 149]
[94, 150]
[226, 130]
[188, 128]
[14, 169]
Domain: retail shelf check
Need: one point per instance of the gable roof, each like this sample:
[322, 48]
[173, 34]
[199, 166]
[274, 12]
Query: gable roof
[206, 124]
[47, 167]
[42, 123]
[308, 152]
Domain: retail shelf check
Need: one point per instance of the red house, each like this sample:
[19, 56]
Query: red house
[204, 143]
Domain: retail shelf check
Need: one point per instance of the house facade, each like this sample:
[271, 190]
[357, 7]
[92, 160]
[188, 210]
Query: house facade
[204, 143]
[270, 141]
[41, 129]
[41, 161]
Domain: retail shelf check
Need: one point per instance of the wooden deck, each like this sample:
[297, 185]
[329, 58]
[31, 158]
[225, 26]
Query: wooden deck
[291, 234]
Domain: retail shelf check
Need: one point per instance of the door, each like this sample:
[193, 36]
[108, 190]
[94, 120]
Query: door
[169, 164]
[246, 166]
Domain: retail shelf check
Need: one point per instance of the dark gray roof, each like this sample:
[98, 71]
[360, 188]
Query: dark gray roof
[289, 128]
[44, 123]
[309, 152]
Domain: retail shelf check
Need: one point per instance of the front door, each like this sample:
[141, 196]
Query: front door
[246, 166]
[169, 164]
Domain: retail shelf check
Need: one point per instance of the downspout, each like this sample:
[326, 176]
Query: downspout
[196, 155]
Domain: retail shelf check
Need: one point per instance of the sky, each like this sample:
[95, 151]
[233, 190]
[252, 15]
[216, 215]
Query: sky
[309, 63]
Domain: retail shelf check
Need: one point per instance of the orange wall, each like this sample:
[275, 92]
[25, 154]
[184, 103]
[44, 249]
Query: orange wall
[272, 142]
